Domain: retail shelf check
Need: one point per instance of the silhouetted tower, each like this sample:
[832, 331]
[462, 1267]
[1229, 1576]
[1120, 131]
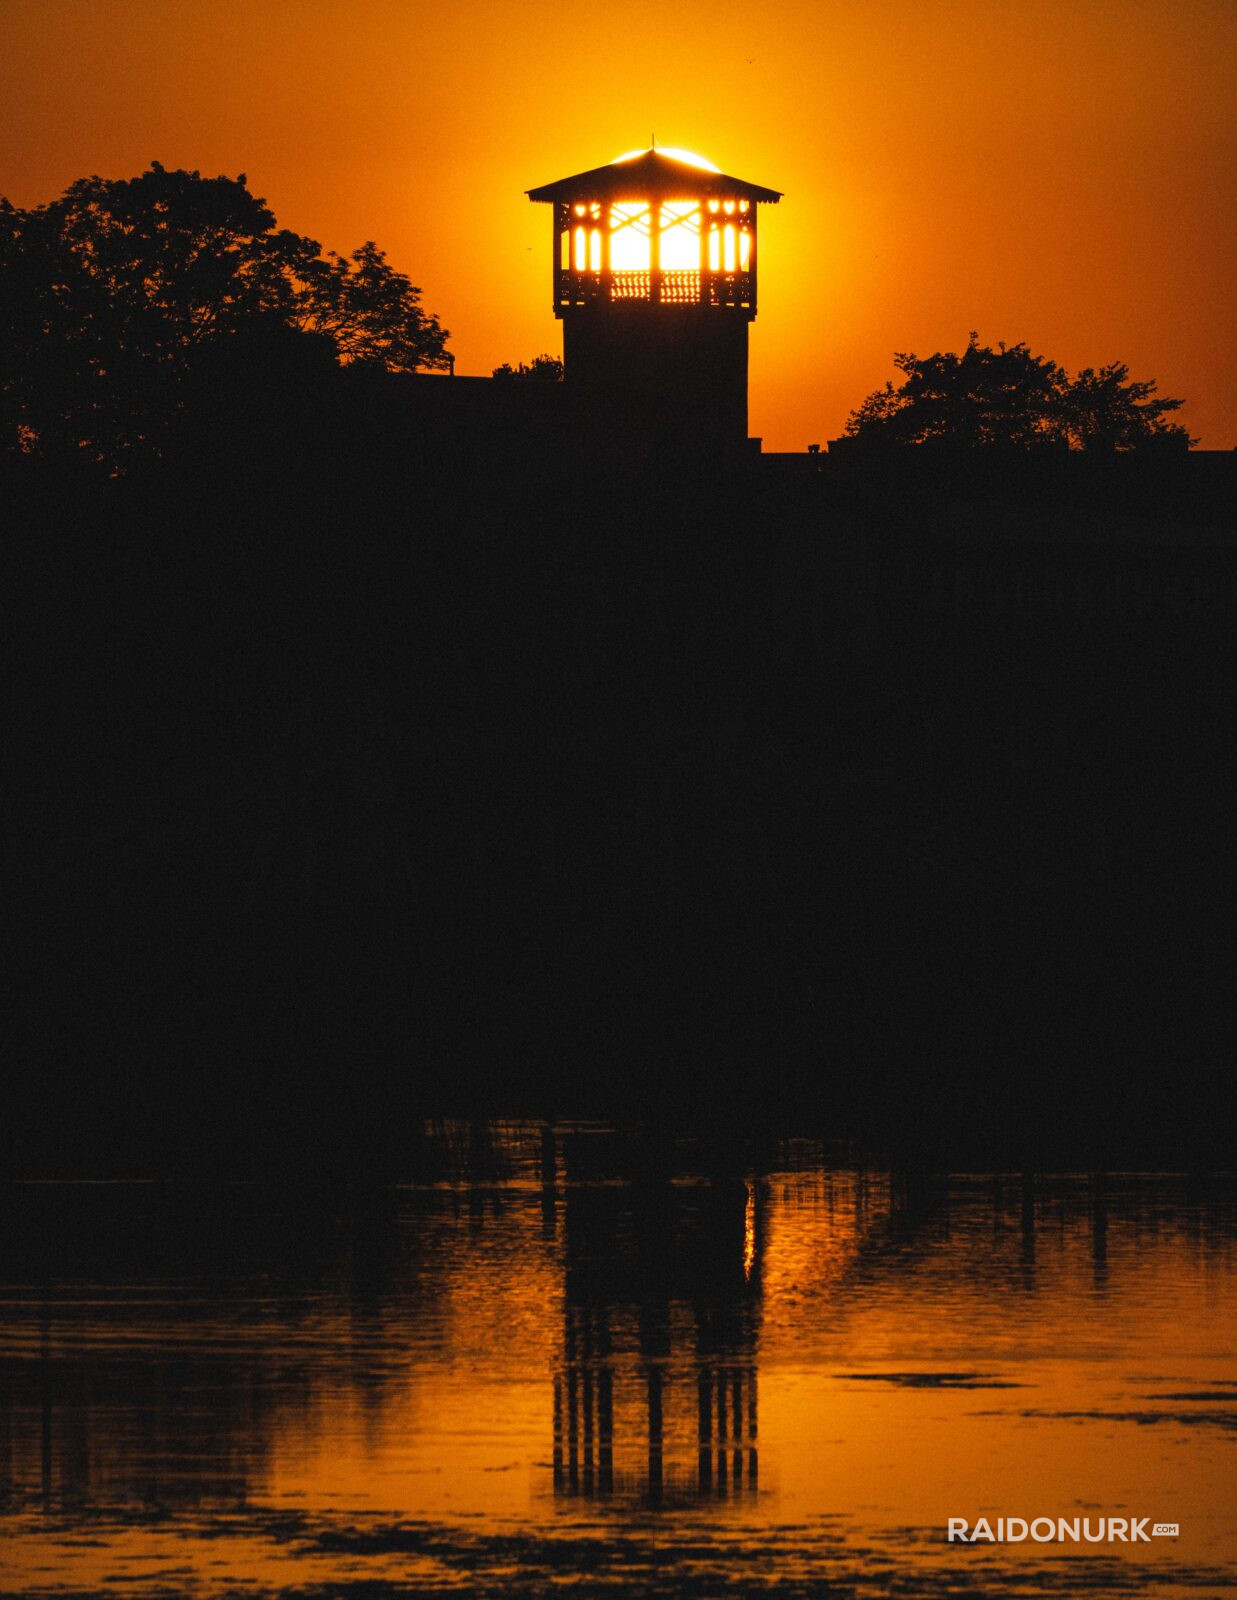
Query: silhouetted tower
[655, 284]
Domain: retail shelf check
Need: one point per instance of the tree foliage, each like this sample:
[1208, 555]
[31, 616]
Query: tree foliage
[119, 293]
[542, 368]
[1010, 397]
[1107, 410]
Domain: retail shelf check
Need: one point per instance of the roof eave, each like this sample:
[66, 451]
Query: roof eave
[550, 193]
[605, 181]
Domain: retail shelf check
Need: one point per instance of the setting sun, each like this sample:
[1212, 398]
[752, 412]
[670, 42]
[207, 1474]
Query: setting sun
[687, 157]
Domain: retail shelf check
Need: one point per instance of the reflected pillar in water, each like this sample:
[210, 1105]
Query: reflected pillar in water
[558, 1433]
[548, 1174]
[45, 1403]
[752, 1462]
[1027, 1252]
[727, 1460]
[583, 1456]
[656, 1460]
[605, 1410]
[1099, 1233]
[726, 1454]
[704, 1468]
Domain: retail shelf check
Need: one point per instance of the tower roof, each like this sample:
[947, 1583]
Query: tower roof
[656, 174]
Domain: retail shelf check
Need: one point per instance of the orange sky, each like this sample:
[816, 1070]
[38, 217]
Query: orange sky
[1059, 171]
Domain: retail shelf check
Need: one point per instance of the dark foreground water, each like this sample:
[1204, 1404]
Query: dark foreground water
[563, 1360]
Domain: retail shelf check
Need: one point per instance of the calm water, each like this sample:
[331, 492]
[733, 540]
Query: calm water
[559, 1359]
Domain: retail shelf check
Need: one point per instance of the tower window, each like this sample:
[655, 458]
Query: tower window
[630, 242]
[680, 236]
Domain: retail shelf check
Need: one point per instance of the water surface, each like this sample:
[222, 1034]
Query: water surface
[560, 1356]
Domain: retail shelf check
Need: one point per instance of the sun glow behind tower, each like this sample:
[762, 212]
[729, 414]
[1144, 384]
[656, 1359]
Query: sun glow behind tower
[689, 158]
[621, 238]
[656, 228]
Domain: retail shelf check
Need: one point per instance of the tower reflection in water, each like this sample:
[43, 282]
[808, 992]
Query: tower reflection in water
[655, 1398]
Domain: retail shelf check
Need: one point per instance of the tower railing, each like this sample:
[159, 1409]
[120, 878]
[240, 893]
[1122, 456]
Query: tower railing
[680, 288]
[627, 286]
[736, 290]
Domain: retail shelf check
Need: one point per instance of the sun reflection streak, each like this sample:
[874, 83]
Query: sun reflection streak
[749, 1232]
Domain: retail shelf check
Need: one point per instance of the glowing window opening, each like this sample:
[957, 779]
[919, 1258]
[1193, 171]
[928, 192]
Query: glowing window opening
[631, 248]
[680, 236]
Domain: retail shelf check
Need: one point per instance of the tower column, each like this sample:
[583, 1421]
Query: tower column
[655, 251]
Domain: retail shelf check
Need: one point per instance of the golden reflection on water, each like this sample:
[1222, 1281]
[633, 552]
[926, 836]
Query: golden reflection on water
[552, 1343]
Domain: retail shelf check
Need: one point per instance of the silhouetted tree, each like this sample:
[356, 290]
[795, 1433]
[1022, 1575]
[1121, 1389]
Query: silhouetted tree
[543, 369]
[1008, 396]
[1107, 410]
[116, 294]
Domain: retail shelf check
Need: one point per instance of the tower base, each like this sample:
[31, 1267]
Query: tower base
[676, 375]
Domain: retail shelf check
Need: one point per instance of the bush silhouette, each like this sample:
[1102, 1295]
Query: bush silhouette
[1010, 397]
[543, 368]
